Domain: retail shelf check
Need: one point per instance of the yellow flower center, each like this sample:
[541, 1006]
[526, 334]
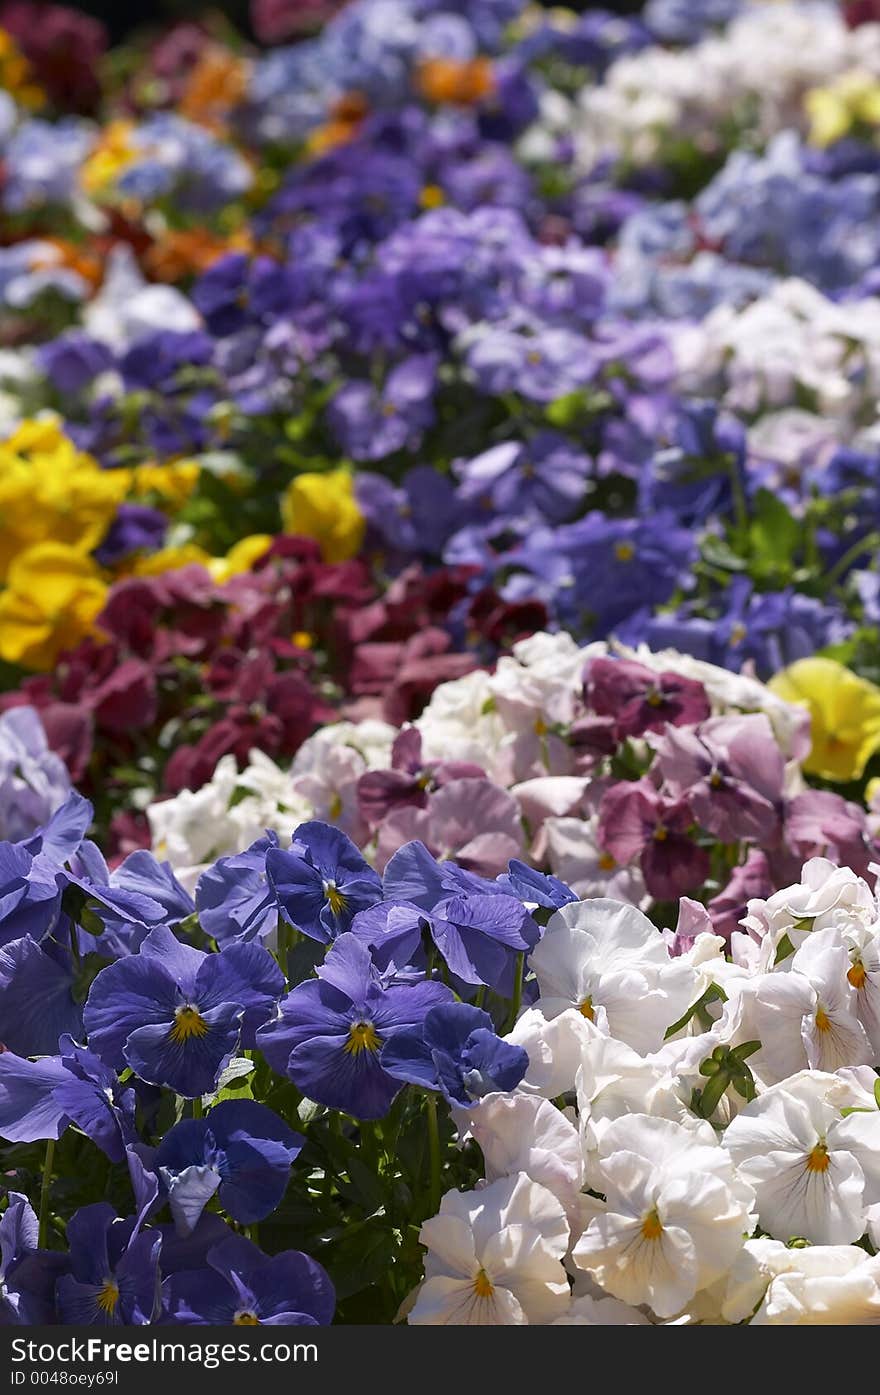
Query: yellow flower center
[540, 727]
[335, 810]
[653, 698]
[108, 1297]
[624, 551]
[651, 1227]
[857, 975]
[188, 1022]
[660, 834]
[335, 899]
[246, 1318]
[823, 1021]
[432, 196]
[586, 1009]
[362, 1036]
[606, 862]
[483, 1286]
[818, 1160]
[738, 633]
[303, 639]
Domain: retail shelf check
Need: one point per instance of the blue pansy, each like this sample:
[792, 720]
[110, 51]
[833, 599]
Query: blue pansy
[392, 931]
[27, 1274]
[114, 1278]
[39, 1099]
[539, 888]
[28, 1109]
[176, 1015]
[242, 1287]
[242, 1150]
[90, 1096]
[39, 997]
[234, 898]
[331, 1030]
[456, 1051]
[477, 927]
[321, 881]
[30, 898]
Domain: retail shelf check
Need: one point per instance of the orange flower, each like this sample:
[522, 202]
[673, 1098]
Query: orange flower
[342, 124]
[216, 84]
[184, 252]
[448, 80]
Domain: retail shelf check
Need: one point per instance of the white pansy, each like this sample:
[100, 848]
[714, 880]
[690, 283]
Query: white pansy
[814, 1170]
[825, 897]
[763, 61]
[607, 960]
[613, 1081]
[807, 1015]
[128, 308]
[554, 1047]
[833, 1036]
[863, 975]
[371, 739]
[762, 1260]
[844, 1297]
[791, 340]
[195, 827]
[676, 1214]
[601, 1312]
[525, 1133]
[494, 1257]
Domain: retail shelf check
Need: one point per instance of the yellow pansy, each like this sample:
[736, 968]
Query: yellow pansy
[171, 559]
[174, 483]
[323, 507]
[113, 154]
[49, 489]
[52, 597]
[844, 711]
[854, 99]
[241, 557]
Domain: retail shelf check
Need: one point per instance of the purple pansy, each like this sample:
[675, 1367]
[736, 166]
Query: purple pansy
[175, 1015]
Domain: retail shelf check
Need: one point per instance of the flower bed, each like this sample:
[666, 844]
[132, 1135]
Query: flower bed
[439, 681]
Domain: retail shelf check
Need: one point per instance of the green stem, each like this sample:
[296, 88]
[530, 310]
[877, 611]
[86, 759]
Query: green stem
[841, 566]
[433, 1153]
[43, 1232]
[517, 991]
[740, 504]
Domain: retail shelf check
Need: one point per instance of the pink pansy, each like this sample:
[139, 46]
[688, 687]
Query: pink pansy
[819, 823]
[473, 821]
[732, 771]
[409, 780]
[640, 700]
[636, 821]
[693, 920]
[749, 881]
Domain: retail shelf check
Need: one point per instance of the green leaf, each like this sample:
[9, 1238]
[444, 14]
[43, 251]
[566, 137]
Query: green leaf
[712, 994]
[775, 534]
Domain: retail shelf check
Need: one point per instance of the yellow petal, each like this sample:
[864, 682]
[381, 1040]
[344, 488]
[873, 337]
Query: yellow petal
[844, 715]
[323, 507]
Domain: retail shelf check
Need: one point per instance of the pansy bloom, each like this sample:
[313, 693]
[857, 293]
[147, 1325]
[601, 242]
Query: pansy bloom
[176, 1015]
[331, 1031]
